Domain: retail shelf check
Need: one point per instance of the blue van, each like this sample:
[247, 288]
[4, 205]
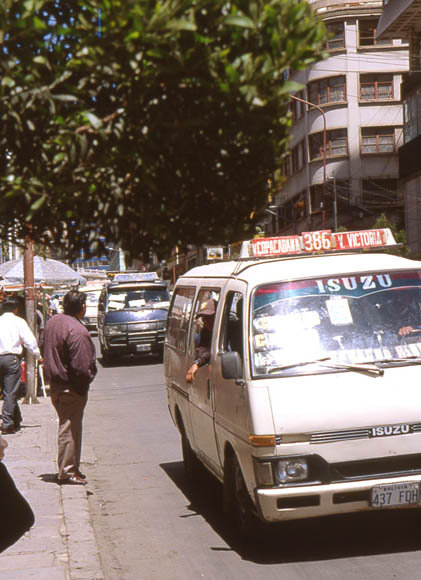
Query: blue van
[132, 314]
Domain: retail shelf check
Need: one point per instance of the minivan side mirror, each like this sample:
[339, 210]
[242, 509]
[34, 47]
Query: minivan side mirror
[232, 367]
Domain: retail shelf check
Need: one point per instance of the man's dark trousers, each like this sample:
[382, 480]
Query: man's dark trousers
[10, 376]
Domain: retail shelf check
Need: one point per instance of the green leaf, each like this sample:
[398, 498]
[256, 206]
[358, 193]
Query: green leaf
[240, 20]
[94, 120]
[289, 87]
[41, 60]
[58, 158]
[38, 24]
[38, 204]
[65, 98]
[181, 24]
[134, 35]
[7, 82]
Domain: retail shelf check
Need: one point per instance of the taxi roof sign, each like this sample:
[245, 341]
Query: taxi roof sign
[324, 241]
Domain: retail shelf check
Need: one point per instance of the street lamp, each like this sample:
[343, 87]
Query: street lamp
[324, 150]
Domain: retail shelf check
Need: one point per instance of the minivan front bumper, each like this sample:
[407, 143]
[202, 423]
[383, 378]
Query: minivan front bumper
[306, 501]
[139, 343]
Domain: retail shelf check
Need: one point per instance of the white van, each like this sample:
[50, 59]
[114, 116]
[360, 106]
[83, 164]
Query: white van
[92, 297]
[311, 402]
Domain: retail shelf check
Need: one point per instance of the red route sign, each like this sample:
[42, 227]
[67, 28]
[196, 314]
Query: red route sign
[362, 239]
[318, 241]
[276, 246]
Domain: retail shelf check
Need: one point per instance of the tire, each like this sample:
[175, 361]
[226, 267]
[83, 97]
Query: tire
[237, 501]
[105, 354]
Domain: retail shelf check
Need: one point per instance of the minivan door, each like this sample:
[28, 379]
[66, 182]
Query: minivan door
[201, 390]
[232, 417]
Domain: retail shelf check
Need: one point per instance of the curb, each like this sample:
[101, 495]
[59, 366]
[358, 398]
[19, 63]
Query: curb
[62, 543]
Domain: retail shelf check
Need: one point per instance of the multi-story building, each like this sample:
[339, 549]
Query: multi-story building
[343, 164]
[403, 18]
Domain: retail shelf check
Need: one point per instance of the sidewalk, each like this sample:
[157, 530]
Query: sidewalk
[61, 545]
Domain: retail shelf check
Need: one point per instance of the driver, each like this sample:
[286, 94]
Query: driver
[404, 312]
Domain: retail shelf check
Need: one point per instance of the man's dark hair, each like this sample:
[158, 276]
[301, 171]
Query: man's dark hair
[73, 302]
[10, 303]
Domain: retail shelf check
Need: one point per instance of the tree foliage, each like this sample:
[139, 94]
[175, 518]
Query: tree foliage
[158, 126]
[383, 221]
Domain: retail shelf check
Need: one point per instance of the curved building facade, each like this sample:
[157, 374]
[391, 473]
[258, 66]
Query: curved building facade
[343, 164]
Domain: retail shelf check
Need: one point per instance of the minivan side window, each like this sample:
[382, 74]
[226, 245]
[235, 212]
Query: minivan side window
[204, 297]
[179, 317]
[232, 324]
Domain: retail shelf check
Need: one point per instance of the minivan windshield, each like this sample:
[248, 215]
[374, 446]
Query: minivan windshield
[137, 298]
[312, 325]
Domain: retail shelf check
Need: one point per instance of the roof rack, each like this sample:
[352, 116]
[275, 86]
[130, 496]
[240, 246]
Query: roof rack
[135, 277]
[318, 243]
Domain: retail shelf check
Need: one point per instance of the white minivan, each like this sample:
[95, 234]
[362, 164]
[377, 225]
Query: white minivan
[310, 404]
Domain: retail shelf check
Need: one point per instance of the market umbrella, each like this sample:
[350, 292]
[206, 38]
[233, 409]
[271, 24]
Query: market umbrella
[47, 272]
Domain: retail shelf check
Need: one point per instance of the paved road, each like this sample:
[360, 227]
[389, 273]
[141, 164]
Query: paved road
[151, 525]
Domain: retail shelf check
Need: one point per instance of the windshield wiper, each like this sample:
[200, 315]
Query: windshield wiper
[297, 364]
[360, 367]
[413, 358]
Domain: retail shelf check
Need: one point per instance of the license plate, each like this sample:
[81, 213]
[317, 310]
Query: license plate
[395, 494]
[143, 347]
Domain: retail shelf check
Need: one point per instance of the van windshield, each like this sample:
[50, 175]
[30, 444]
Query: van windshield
[92, 298]
[365, 318]
[135, 298]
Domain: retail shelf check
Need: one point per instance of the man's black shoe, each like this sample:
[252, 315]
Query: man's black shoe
[8, 430]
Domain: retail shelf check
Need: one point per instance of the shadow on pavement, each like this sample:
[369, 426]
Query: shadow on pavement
[327, 538]
[49, 478]
[130, 361]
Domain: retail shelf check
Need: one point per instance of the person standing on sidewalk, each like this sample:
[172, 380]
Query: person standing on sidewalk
[14, 332]
[70, 367]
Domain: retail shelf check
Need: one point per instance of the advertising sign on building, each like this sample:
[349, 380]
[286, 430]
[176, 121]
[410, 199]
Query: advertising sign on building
[215, 253]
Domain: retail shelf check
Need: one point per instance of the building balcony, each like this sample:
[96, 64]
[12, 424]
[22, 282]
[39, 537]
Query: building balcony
[337, 7]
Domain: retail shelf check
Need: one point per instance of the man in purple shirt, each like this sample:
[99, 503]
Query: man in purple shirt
[70, 366]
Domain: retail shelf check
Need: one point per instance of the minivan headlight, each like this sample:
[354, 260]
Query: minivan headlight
[113, 329]
[294, 469]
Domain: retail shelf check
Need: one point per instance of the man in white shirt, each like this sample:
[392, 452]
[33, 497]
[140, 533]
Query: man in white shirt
[14, 334]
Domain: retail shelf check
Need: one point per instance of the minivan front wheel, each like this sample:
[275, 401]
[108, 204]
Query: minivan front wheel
[237, 499]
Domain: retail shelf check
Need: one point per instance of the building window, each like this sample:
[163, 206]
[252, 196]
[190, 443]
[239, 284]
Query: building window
[377, 140]
[325, 91]
[292, 210]
[367, 34]
[380, 192]
[412, 116]
[297, 107]
[336, 144]
[298, 157]
[286, 166]
[336, 39]
[324, 197]
[317, 197]
[376, 87]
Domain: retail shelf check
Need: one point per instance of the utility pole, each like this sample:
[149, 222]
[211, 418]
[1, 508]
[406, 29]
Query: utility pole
[335, 205]
[309, 103]
[28, 276]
